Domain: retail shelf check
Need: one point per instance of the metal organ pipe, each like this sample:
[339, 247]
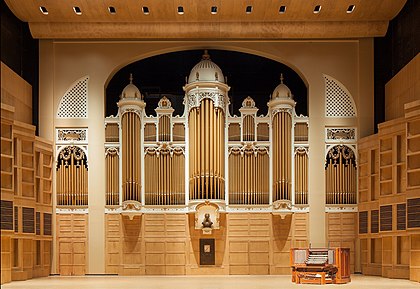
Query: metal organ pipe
[282, 125]
[206, 130]
[130, 156]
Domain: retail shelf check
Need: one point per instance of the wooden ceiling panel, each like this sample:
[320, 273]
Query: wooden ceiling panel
[197, 14]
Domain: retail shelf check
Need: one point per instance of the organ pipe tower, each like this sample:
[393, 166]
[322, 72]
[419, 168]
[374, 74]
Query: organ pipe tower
[281, 109]
[206, 98]
[131, 107]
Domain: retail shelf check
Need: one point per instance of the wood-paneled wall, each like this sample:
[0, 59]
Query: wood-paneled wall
[26, 190]
[388, 242]
[341, 232]
[71, 234]
[16, 92]
[402, 88]
[168, 244]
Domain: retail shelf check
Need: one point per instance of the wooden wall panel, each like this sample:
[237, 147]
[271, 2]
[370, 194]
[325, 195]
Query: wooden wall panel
[132, 251]
[415, 258]
[249, 243]
[341, 232]
[15, 91]
[287, 232]
[72, 243]
[112, 243]
[6, 259]
[402, 89]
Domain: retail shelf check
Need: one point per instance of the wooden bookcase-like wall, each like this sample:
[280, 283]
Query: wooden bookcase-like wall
[389, 187]
[26, 171]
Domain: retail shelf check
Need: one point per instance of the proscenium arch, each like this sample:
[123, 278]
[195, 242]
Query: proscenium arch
[220, 48]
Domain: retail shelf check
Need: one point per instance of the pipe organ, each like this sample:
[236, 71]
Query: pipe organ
[131, 108]
[281, 107]
[301, 176]
[112, 176]
[207, 154]
[248, 176]
[164, 176]
[72, 177]
[340, 175]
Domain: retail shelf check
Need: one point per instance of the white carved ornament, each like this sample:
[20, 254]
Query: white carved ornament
[195, 98]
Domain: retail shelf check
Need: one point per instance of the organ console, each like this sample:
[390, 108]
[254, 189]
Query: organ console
[320, 266]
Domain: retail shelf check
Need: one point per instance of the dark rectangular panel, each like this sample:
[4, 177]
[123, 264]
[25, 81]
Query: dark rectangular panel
[28, 220]
[6, 213]
[363, 222]
[413, 213]
[401, 216]
[16, 218]
[207, 252]
[374, 221]
[38, 223]
[47, 224]
[386, 218]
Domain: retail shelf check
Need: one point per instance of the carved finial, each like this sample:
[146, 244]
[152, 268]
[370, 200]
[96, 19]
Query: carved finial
[206, 55]
[131, 78]
[281, 78]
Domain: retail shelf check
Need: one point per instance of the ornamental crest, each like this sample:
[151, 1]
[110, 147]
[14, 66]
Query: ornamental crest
[218, 99]
[341, 134]
[72, 135]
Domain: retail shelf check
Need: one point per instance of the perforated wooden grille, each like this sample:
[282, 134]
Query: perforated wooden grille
[6, 208]
[74, 102]
[401, 216]
[386, 218]
[374, 221]
[363, 222]
[338, 101]
[28, 220]
[413, 213]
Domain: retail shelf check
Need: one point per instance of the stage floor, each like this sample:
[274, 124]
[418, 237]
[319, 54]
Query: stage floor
[199, 282]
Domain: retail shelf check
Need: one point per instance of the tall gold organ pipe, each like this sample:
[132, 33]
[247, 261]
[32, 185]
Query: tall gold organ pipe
[130, 156]
[206, 130]
[340, 176]
[281, 155]
[301, 189]
[71, 178]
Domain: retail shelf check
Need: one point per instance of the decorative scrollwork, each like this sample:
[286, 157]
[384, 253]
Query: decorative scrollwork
[218, 99]
[164, 102]
[71, 135]
[124, 110]
[112, 151]
[282, 109]
[72, 154]
[301, 150]
[164, 149]
[341, 153]
[248, 149]
[341, 134]
[248, 102]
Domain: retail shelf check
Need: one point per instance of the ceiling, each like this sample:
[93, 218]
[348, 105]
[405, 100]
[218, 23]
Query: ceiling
[369, 19]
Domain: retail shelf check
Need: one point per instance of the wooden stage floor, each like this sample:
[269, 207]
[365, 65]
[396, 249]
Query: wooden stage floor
[199, 282]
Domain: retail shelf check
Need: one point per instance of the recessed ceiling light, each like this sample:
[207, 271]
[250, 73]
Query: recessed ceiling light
[214, 10]
[248, 9]
[180, 10]
[282, 9]
[77, 10]
[43, 10]
[317, 9]
[112, 10]
[351, 9]
[145, 10]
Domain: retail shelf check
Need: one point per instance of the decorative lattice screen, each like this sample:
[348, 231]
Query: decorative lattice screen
[338, 100]
[73, 104]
